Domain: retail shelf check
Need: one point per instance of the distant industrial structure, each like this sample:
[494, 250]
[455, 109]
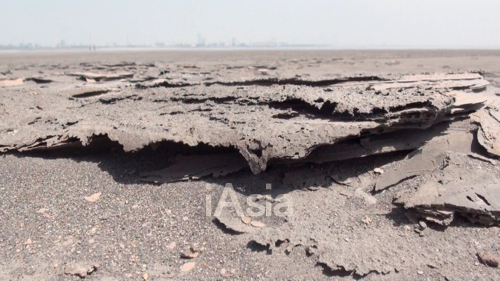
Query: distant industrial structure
[201, 42]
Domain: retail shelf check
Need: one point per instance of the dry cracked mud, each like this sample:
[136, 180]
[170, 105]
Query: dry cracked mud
[343, 164]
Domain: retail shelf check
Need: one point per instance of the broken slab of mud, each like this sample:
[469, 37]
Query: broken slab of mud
[97, 77]
[264, 123]
[457, 188]
[452, 180]
[11, 82]
[489, 132]
[341, 234]
[453, 174]
[342, 226]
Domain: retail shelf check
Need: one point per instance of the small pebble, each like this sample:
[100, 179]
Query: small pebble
[422, 224]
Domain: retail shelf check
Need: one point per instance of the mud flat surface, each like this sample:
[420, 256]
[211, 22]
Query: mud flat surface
[375, 165]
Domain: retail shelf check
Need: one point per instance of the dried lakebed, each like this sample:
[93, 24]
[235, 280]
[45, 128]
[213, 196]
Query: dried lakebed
[350, 152]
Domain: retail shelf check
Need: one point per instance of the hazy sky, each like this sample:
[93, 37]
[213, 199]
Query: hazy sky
[347, 23]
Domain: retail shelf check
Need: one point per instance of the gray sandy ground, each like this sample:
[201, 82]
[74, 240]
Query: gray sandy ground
[46, 223]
